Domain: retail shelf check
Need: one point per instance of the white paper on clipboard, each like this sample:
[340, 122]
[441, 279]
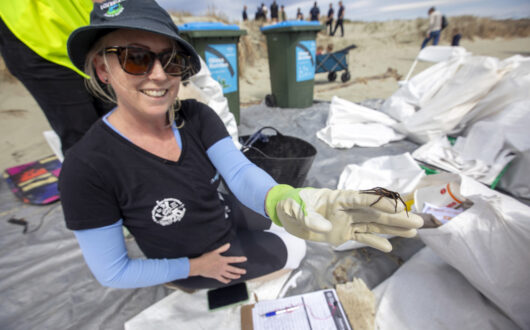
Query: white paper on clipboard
[315, 310]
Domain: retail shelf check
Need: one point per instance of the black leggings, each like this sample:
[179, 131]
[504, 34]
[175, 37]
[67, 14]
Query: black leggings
[59, 91]
[339, 23]
[265, 251]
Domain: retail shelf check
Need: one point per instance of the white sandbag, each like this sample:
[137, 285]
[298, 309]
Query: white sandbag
[212, 94]
[427, 293]
[418, 90]
[363, 135]
[510, 127]
[516, 179]
[469, 156]
[488, 244]
[397, 173]
[342, 112]
[439, 115]
[512, 88]
[398, 107]
[349, 124]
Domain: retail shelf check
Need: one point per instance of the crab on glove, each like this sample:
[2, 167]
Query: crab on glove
[336, 216]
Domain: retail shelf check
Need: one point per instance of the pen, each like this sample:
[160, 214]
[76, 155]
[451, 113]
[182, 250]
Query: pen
[281, 311]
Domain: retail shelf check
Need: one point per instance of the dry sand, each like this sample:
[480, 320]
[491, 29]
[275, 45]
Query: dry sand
[381, 46]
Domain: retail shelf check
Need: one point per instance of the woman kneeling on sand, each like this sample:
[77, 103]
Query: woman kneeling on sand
[153, 165]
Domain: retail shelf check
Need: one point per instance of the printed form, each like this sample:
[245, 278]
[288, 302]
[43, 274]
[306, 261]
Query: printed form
[316, 310]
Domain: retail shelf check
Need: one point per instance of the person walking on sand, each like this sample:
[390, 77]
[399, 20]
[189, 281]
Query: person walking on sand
[283, 15]
[329, 21]
[340, 20]
[456, 38]
[274, 12]
[435, 27]
[299, 15]
[265, 11]
[245, 15]
[315, 12]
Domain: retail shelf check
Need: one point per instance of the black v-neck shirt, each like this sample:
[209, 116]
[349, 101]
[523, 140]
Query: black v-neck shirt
[172, 208]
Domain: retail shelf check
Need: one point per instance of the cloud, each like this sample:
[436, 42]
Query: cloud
[360, 4]
[421, 4]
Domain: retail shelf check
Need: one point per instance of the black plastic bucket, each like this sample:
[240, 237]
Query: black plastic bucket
[286, 158]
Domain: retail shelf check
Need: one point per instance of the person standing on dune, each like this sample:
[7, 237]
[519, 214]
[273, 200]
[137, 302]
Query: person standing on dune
[340, 20]
[435, 27]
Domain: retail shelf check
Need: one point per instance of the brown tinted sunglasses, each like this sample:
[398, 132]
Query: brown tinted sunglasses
[139, 61]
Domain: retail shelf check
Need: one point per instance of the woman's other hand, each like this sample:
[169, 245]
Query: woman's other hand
[213, 265]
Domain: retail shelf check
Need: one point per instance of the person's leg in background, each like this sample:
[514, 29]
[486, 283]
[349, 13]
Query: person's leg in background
[59, 91]
[330, 23]
[436, 37]
[341, 27]
[426, 40]
[336, 26]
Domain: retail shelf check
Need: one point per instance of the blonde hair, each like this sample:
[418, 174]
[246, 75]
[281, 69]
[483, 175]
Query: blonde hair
[106, 93]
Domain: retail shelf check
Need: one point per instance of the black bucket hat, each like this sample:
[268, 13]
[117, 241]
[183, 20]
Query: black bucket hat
[110, 15]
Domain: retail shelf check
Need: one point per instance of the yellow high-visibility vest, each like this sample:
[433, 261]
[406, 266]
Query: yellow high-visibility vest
[44, 25]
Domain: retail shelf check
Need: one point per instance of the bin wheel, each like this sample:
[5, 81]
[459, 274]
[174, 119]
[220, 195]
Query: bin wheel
[345, 76]
[270, 100]
[332, 76]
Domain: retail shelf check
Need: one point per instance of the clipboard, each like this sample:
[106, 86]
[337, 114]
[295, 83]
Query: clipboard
[312, 310]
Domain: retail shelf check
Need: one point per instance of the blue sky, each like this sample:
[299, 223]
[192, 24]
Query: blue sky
[366, 10]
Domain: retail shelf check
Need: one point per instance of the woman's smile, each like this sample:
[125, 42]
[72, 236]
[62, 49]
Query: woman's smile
[158, 93]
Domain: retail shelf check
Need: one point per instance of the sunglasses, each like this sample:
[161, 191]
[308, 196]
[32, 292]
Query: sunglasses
[139, 61]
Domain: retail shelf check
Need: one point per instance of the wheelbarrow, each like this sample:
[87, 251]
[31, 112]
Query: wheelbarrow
[334, 62]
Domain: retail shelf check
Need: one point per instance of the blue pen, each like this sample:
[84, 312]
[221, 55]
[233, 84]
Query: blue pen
[281, 311]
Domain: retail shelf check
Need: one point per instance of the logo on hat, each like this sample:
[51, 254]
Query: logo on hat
[114, 8]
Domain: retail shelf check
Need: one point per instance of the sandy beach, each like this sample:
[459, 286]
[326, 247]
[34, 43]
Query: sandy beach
[385, 51]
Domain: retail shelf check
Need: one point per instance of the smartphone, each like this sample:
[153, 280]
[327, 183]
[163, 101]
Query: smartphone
[227, 295]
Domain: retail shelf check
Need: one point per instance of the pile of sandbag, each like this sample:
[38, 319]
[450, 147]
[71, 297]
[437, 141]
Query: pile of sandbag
[483, 100]
[473, 272]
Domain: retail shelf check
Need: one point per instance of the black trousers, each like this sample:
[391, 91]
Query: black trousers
[339, 22]
[59, 91]
[265, 251]
[330, 23]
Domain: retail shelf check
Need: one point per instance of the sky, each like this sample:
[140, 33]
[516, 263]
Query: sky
[363, 10]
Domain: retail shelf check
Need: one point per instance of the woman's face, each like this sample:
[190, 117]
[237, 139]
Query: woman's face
[148, 95]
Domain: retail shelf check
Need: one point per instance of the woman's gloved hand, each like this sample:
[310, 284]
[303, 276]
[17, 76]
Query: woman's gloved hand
[336, 216]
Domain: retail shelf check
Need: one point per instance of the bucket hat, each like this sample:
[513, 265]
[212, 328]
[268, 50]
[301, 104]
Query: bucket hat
[107, 16]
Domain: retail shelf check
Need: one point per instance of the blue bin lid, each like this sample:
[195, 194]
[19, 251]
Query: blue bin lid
[203, 26]
[293, 23]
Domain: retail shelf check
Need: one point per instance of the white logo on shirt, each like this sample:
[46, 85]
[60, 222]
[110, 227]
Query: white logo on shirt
[168, 211]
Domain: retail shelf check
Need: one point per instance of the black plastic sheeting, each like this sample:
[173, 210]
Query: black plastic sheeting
[45, 283]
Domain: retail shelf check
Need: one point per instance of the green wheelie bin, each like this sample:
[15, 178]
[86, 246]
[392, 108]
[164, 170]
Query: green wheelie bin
[291, 47]
[217, 44]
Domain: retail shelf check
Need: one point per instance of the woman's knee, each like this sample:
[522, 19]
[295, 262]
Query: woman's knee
[296, 247]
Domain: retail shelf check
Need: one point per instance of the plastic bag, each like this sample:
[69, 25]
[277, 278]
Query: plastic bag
[488, 244]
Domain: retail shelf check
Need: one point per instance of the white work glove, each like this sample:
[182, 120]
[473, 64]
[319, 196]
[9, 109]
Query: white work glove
[336, 216]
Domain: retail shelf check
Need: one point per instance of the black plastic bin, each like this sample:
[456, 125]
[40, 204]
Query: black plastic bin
[286, 158]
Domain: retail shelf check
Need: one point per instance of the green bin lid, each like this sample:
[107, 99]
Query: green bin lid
[293, 26]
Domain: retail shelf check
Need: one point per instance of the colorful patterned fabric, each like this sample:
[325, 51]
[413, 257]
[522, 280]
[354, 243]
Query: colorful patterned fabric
[35, 182]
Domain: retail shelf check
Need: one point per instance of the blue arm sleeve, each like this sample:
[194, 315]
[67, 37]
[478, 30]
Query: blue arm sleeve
[106, 255]
[248, 182]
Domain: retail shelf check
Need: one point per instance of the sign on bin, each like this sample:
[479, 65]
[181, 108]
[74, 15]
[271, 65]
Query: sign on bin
[221, 59]
[305, 60]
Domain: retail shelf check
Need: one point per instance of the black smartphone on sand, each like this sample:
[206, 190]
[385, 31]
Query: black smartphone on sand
[227, 295]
